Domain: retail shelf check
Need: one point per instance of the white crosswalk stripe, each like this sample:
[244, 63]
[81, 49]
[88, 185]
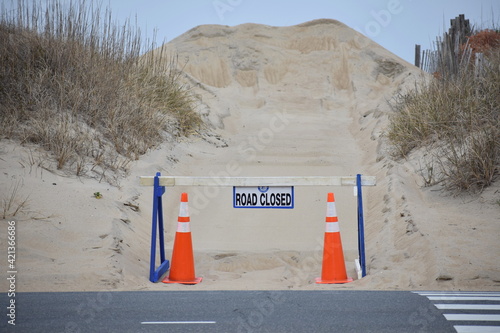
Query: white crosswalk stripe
[477, 312]
[468, 306]
[476, 329]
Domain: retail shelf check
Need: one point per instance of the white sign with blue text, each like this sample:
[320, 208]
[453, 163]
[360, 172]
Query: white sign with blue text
[263, 197]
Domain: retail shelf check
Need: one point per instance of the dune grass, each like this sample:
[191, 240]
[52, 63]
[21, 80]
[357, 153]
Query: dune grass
[86, 89]
[455, 119]
[13, 202]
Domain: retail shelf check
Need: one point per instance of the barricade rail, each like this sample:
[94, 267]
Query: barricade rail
[258, 181]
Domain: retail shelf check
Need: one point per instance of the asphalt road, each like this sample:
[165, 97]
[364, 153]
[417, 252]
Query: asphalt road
[225, 311]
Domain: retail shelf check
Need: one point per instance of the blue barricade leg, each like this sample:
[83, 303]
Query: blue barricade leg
[361, 228]
[157, 224]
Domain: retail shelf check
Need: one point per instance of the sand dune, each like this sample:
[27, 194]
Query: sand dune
[311, 99]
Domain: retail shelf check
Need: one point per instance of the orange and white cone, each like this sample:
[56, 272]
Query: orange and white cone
[333, 269]
[182, 263]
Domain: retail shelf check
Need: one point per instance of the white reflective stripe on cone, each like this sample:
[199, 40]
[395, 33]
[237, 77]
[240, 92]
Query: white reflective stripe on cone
[183, 227]
[331, 211]
[183, 209]
[332, 227]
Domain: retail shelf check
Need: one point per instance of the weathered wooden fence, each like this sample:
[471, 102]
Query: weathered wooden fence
[452, 51]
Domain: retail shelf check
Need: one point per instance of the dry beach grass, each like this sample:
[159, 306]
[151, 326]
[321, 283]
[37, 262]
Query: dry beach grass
[73, 83]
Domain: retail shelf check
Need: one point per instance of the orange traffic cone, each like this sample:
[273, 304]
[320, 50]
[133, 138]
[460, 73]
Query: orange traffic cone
[333, 270]
[182, 263]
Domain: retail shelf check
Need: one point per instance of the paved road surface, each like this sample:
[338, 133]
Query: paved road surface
[243, 311]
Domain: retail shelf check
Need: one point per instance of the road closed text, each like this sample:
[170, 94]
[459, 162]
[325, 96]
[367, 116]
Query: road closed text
[263, 197]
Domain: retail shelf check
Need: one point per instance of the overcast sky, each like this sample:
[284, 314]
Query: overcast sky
[397, 25]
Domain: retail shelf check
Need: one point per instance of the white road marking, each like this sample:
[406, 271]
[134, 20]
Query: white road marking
[468, 306]
[458, 293]
[477, 329]
[176, 322]
[463, 316]
[468, 296]
[460, 298]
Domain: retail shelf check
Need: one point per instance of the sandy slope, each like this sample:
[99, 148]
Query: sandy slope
[310, 99]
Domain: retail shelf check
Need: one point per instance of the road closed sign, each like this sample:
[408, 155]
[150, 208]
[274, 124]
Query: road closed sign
[263, 197]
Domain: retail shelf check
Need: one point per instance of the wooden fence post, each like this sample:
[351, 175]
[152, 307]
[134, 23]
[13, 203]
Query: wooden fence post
[417, 55]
